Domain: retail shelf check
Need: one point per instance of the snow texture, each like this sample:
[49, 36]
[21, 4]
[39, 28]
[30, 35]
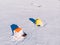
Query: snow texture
[19, 11]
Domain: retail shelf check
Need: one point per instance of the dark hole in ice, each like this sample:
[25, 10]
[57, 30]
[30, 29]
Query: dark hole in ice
[24, 35]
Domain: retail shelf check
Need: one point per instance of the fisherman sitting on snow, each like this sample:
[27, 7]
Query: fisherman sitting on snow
[17, 33]
[37, 21]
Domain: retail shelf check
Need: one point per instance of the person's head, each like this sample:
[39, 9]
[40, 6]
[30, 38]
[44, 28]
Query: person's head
[38, 19]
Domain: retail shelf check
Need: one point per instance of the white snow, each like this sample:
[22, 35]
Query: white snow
[19, 11]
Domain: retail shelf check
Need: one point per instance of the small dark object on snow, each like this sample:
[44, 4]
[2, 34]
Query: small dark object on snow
[38, 25]
[24, 35]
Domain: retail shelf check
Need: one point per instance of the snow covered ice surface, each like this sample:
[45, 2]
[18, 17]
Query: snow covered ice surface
[19, 11]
